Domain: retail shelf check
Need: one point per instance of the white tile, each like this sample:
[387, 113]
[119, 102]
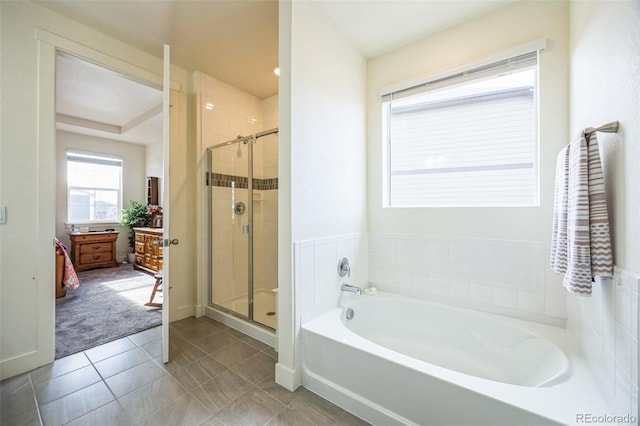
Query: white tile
[404, 247]
[634, 316]
[404, 263]
[623, 392]
[319, 252]
[635, 360]
[531, 301]
[319, 293]
[555, 306]
[481, 293]
[306, 257]
[439, 253]
[439, 270]
[307, 279]
[419, 248]
[609, 331]
[389, 246]
[420, 265]
[438, 286]
[375, 244]
[307, 302]
[623, 348]
[608, 295]
[331, 250]
[507, 297]
[634, 401]
[459, 289]
[319, 276]
[388, 276]
[460, 271]
[460, 252]
[623, 306]
[404, 279]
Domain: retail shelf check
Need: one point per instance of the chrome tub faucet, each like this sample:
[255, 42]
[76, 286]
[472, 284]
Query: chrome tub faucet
[351, 288]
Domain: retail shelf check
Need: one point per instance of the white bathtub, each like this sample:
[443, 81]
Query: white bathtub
[404, 361]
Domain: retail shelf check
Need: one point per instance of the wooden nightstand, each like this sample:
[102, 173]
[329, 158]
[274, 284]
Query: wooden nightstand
[93, 250]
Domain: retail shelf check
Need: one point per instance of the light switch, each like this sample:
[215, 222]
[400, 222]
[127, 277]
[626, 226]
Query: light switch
[3, 214]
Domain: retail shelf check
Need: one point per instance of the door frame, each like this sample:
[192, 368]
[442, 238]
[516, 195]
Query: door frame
[48, 45]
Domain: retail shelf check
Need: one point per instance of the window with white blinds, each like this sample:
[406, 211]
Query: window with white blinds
[465, 141]
[94, 188]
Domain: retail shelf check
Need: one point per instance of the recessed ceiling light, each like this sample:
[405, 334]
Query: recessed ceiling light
[252, 120]
[276, 71]
[209, 105]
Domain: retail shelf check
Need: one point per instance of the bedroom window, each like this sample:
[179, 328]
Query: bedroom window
[94, 188]
[464, 140]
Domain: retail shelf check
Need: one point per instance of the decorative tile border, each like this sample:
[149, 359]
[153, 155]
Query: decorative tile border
[232, 181]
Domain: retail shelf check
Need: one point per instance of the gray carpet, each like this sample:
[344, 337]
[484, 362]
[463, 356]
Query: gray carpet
[108, 305]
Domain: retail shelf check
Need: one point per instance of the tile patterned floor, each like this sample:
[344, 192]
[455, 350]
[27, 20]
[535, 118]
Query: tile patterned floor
[217, 376]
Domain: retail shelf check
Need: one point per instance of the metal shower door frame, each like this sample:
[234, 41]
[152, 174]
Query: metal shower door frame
[250, 141]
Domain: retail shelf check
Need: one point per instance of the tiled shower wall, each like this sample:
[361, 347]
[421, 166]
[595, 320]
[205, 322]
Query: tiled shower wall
[227, 112]
[607, 327]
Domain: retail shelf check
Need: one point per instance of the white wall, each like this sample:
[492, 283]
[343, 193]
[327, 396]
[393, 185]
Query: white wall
[516, 24]
[325, 166]
[605, 64]
[488, 258]
[328, 170]
[133, 180]
[27, 170]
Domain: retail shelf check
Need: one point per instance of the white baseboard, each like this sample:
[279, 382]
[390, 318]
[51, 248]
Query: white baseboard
[199, 311]
[180, 312]
[19, 364]
[287, 378]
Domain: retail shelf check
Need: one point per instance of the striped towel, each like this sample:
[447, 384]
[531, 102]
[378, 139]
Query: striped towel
[580, 244]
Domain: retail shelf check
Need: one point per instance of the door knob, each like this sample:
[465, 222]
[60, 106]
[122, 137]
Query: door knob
[167, 242]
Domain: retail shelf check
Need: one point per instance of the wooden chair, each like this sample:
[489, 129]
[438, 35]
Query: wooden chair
[156, 288]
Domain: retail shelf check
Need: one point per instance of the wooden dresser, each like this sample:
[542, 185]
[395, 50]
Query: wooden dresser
[148, 254]
[93, 250]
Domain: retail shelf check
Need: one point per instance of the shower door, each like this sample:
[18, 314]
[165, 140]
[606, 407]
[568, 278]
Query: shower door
[243, 228]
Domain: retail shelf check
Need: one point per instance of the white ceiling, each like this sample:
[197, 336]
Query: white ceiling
[235, 41]
[378, 26]
[96, 101]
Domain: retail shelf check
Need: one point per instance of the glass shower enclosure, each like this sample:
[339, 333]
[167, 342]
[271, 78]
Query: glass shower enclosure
[242, 177]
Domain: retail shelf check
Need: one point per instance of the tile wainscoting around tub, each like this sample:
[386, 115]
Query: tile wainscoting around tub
[316, 270]
[607, 328]
[504, 277]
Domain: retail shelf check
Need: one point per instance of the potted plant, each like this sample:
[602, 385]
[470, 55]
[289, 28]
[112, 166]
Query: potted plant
[136, 216]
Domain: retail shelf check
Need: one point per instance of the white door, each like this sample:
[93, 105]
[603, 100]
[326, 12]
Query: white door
[167, 241]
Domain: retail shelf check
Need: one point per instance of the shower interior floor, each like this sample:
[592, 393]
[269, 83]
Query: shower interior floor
[264, 306]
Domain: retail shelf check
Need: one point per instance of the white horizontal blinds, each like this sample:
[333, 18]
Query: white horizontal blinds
[94, 188]
[472, 143]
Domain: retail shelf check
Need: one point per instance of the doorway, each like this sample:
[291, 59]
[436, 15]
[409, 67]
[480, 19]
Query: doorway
[103, 116]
